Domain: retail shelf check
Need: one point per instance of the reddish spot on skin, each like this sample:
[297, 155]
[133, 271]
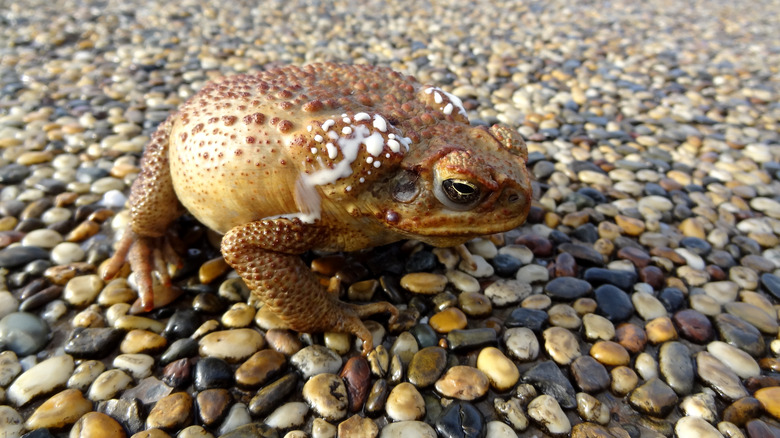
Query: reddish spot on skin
[197, 128]
[213, 120]
[392, 216]
[313, 106]
[239, 152]
[250, 139]
[256, 118]
[285, 126]
[229, 120]
[285, 106]
[183, 137]
[282, 162]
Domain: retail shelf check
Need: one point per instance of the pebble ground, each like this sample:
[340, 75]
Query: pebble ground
[640, 299]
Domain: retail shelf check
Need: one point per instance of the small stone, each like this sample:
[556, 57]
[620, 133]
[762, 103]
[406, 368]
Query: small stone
[426, 366]
[567, 288]
[96, 425]
[23, 333]
[530, 274]
[424, 283]
[563, 315]
[500, 370]
[737, 360]
[676, 367]
[475, 304]
[405, 403]
[212, 372]
[653, 398]
[770, 400]
[701, 405]
[238, 416]
[239, 315]
[591, 409]
[231, 345]
[719, 377]
[624, 380]
[743, 410]
[597, 327]
[530, 318]
[736, 332]
[521, 343]
[404, 429]
[590, 375]
[142, 341]
[43, 378]
[289, 415]
[213, 405]
[358, 427]
[693, 426]
[548, 379]
[59, 411]
[505, 292]
[613, 303]
[561, 344]
[512, 412]
[694, 326]
[660, 330]
[632, 337]
[327, 395]
[171, 412]
[11, 423]
[108, 384]
[630, 226]
[461, 419]
[448, 320]
[648, 306]
[260, 368]
[753, 315]
[463, 383]
[547, 413]
[82, 291]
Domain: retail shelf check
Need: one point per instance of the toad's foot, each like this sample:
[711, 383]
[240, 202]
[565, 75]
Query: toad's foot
[146, 255]
[265, 255]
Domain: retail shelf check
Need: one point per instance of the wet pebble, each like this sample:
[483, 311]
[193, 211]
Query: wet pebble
[460, 420]
[500, 370]
[231, 345]
[260, 368]
[404, 403]
[693, 326]
[734, 331]
[547, 413]
[212, 372]
[561, 345]
[692, 426]
[463, 383]
[676, 367]
[719, 377]
[653, 398]
[737, 360]
[23, 333]
[549, 380]
[567, 288]
[171, 412]
[613, 303]
[43, 378]
[589, 374]
[60, 410]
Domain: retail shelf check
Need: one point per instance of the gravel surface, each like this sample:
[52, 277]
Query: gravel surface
[640, 299]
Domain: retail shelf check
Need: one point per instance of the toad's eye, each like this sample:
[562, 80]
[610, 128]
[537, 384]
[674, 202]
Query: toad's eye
[458, 194]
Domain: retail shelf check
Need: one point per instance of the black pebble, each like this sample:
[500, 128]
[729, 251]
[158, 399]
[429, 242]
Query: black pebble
[421, 261]
[531, 318]
[13, 174]
[212, 372]
[771, 283]
[613, 303]
[505, 265]
[586, 233]
[461, 420]
[547, 378]
[567, 288]
[696, 245]
[92, 343]
[672, 299]
[20, 255]
[182, 324]
[622, 279]
[179, 349]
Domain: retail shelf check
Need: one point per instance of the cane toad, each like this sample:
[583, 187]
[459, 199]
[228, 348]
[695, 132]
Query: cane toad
[327, 157]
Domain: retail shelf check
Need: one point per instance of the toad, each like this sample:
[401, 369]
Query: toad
[322, 157]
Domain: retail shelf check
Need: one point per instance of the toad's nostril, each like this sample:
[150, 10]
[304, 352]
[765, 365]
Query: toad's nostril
[512, 198]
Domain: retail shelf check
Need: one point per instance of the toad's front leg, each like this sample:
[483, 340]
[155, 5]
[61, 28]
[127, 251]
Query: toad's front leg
[266, 255]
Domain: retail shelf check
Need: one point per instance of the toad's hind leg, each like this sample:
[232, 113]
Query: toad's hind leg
[154, 206]
[266, 255]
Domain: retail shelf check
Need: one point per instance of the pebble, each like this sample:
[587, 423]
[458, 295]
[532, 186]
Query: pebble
[624, 380]
[561, 345]
[358, 427]
[403, 429]
[567, 288]
[96, 425]
[260, 368]
[589, 374]
[632, 337]
[676, 367]
[693, 326]
[108, 384]
[653, 398]
[23, 333]
[463, 383]
[591, 409]
[426, 366]
[701, 405]
[460, 419]
[741, 363]
[521, 343]
[499, 369]
[753, 315]
[83, 290]
[448, 320]
[212, 372]
[597, 327]
[142, 341]
[547, 413]
[231, 345]
[424, 283]
[692, 426]
[743, 410]
[60, 410]
[404, 403]
[719, 377]
[43, 378]
[171, 412]
[613, 303]
[463, 282]
[549, 380]
[770, 400]
[213, 405]
[736, 332]
[11, 423]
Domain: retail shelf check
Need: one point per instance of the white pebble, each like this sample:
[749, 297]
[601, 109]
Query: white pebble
[288, 415]
[67, 252]
[42, 378]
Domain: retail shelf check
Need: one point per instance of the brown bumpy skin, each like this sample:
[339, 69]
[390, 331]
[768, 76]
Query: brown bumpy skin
[322, 157]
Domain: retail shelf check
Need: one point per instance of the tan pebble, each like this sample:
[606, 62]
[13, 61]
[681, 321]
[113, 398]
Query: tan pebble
[447, 257]
[151, 433]
[34, 157]
[171, 412]
[584, 306]
[212, 269]
[108, 384]
[536, 301]
[138, 365]
[40, 379]
[745, 277]
[610, 353]
[116, 291]
[463, 281]
[207, 327]
[194, 432]
[142, 341]
[694, 277]
[83, 231]
[405, 403]
[609, 231]
[576, 219]
[705, 304]
[591, 409]
[563, 315]
[770, 400]
[340, 342]
[561, 344]
[260, 368]
[499, 369]
[358, 427]
[546, 411]
[552, 220]
[448, 320]
[82, 291]
[691, 227]
[283, 341]
[163, 295]
[60, 410]
[424, 282]
[327, 394]
[597, 327]
[660, 330]
[231, 345]
[89, 317]
[362, 290]
[8, 223]
[631, 226]
[239, 315]
[85, 374]
[624, 380]
[133, 322]
[266, 319]
[463, 383]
